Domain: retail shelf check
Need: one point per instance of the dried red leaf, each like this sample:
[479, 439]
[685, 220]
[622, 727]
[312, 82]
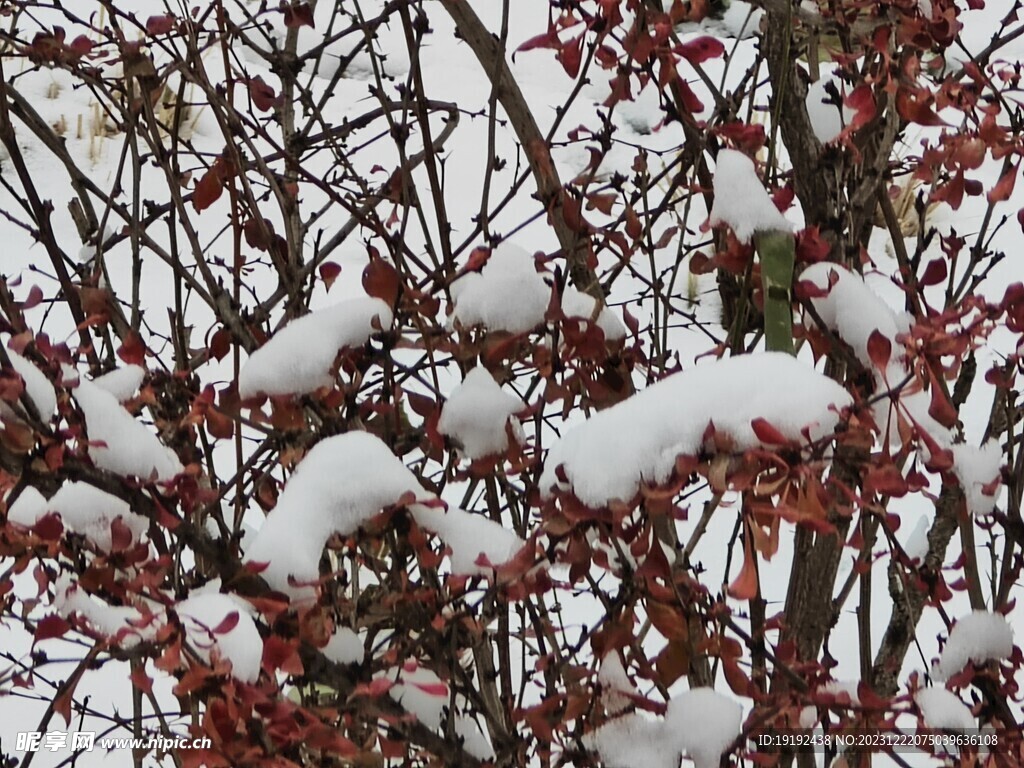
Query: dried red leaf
[160, 25]
[132, 349]
[381, 280]
[50, 627]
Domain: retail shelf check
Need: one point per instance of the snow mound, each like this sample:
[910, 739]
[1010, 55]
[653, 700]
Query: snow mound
[299, 357]
[942, 709]
[477, 543]
[828, 116]
[578, 304]
[978, 470]
[340, 484]
[84, 509]
[611, 454]
[344, 647]
[208, 620]
[854, 311]
[508, 294]
[38, 388]
[978, 637]
[916, 547]
[632, 741]
[122, 383]
[741, 200]
[616, 687]
[129, 448]
[422, 693]
[126, 624]
[476, 414]
[703, 723]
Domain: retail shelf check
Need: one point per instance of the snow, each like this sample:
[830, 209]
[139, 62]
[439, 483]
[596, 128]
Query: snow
[741, 200]
[475, 540]
[703, 723]
[854, 311]
[942, 709]
[126, 623]
[129, 448]
[474, 740]
[742, 20]
[978, 469]
[916, 547]
[83, 509]
[632, 741]
[340, 484]
[344, 647]
[827, 117]
[476, 415]
[298, 358]
[508, 294]
[38, 388]
[616, 687]
[420, 692]
[978, 637]
[608, 456]
[240, 644]
[578, 304]
[28, 508]
[122, 383]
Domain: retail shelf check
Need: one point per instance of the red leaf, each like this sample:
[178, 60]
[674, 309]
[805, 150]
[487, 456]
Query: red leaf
[160, 25]
[1004, 187]
[62, 704]
[208, 190]
[329, 272]
[766, 433]
[262, 95]
[701, 49]
[811, 247]
[432, 689]
[547, 40]
[81, 46]
[297, 15]
[35, 296]
[381, 280]
[570, 54]
[228, 623]
[879, 350]
[748, 138]
[141, 680]
[915, 106]
[745, 585]
[220, 343]
[862, 101]
[282, 654]
[219, 425]
[132, 350]
[940, 408]
[885, 481]
[690, 101]
[934, 273]
[49, 527]
[120, 535]
[51, 626]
